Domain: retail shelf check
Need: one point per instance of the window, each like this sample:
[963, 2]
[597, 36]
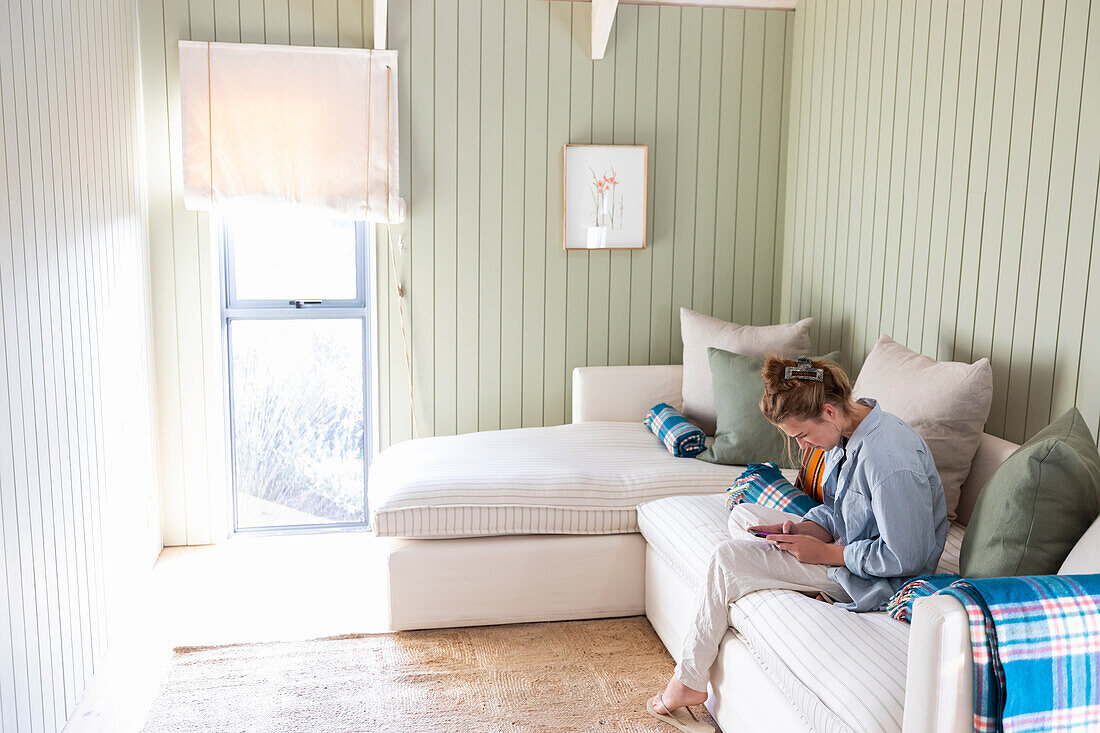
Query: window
[297, 346]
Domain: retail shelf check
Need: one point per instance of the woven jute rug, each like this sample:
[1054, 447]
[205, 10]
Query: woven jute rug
[560, 677]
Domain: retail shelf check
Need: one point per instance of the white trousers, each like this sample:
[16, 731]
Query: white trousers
[742, 565]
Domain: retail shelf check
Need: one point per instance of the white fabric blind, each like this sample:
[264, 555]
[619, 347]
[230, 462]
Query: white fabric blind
[316, 127]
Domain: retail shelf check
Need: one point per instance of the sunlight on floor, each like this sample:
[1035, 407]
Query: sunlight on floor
[265, 588]
[250, 588]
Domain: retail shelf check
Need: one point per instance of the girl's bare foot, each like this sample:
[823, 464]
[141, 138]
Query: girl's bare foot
[678, 695]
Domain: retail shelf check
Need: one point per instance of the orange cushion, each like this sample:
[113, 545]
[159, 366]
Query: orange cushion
[811, 478]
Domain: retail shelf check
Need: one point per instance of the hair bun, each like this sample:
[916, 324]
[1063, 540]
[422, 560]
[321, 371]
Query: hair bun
[774, 374]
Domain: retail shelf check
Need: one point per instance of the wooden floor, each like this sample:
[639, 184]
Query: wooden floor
[247, 589]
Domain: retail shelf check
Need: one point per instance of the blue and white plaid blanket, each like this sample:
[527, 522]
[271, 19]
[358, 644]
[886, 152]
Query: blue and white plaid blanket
[682, 439]
[764, 484]
[1036, 646]
[901, 603]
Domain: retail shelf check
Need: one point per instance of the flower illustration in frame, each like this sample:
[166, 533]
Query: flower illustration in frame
[604, 203]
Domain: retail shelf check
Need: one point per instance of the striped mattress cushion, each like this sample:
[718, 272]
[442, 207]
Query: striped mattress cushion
[843, 671]
[685, 530]
[585, 478]
[806, 646]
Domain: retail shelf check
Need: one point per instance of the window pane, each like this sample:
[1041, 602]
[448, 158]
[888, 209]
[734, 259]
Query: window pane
[298, 421]
[283, 256]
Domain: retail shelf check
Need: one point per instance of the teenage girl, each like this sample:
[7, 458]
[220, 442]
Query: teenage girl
[884, 520]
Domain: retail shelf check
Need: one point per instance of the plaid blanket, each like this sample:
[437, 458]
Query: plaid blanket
[1036, 646]
[682, 439]
[900, 606]
[764, 484]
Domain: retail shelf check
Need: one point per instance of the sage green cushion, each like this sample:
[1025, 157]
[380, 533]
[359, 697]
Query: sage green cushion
[1036, 505]
[743, 435]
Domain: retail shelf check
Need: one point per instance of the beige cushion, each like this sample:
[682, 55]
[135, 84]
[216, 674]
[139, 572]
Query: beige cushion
[946, 402]
[701, 332]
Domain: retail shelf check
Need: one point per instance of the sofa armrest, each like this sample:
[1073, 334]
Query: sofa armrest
[624, 393]
[939, 682]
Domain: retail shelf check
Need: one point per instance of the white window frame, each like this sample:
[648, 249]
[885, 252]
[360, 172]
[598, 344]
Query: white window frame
[361, 307]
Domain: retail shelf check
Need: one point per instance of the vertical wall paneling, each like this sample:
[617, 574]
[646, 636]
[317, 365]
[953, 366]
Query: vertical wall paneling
[686, 191]
[954, 194]
[780, 277]
[974, 211]
[705, 200]
[853, 279]
[1081, 207]
[445, 150]
[645, 132]
[400, 421]
[1088, 153]
[768, 214]
[535, 218]
[79, 511]
[420, 173]
[993, 216]
[920, 246]
[1036, 209]
[1021, 143]
[599, 263]
[1053, 279]
[665, 152]
[470, 164]
[972, 218]
[624, 131]
[490, 223]
[559, 71]
[511, 189]
[577, 284]
[948, 25]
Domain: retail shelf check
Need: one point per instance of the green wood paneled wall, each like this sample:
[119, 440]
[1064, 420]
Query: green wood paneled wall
[941, 187]
[497, 313]
[79, 524]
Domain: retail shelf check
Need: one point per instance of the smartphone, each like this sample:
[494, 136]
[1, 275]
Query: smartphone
[758, 533]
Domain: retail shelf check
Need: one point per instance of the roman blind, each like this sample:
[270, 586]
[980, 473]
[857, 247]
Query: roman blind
[290, 125]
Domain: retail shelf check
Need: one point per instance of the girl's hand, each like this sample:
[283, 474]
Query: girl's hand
[809, 550]
[784, 528]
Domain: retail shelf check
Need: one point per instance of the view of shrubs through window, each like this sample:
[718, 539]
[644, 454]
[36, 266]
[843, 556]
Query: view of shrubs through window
[298, 421]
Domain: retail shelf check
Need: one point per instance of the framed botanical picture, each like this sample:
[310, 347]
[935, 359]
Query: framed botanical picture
[605, 197]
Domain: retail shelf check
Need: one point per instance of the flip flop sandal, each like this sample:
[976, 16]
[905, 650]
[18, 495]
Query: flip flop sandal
[680, 718]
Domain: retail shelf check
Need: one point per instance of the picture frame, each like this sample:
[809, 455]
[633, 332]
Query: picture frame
[604, 196]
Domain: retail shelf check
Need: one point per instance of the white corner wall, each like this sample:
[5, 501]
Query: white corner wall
[79, 514]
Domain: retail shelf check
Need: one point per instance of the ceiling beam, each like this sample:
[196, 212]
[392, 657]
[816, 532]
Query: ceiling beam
[603, 13]
[380, 17]
[743, 4]
[603, 17]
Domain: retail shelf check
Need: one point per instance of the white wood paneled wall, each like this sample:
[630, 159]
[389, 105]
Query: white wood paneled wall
[186, 306]
[78, 501]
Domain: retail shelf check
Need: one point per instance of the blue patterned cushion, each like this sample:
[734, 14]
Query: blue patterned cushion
[764, 484]
[682, 439]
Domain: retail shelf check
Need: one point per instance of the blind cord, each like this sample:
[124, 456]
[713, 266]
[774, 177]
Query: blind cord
[399, 289]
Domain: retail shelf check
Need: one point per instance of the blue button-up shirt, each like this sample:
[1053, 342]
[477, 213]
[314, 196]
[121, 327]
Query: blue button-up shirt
[884, 502]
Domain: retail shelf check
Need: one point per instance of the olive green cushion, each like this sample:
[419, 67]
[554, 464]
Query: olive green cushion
[744, 435]
[1036, 505]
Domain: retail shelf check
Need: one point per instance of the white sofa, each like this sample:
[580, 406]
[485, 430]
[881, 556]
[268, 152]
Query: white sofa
[552, 534]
